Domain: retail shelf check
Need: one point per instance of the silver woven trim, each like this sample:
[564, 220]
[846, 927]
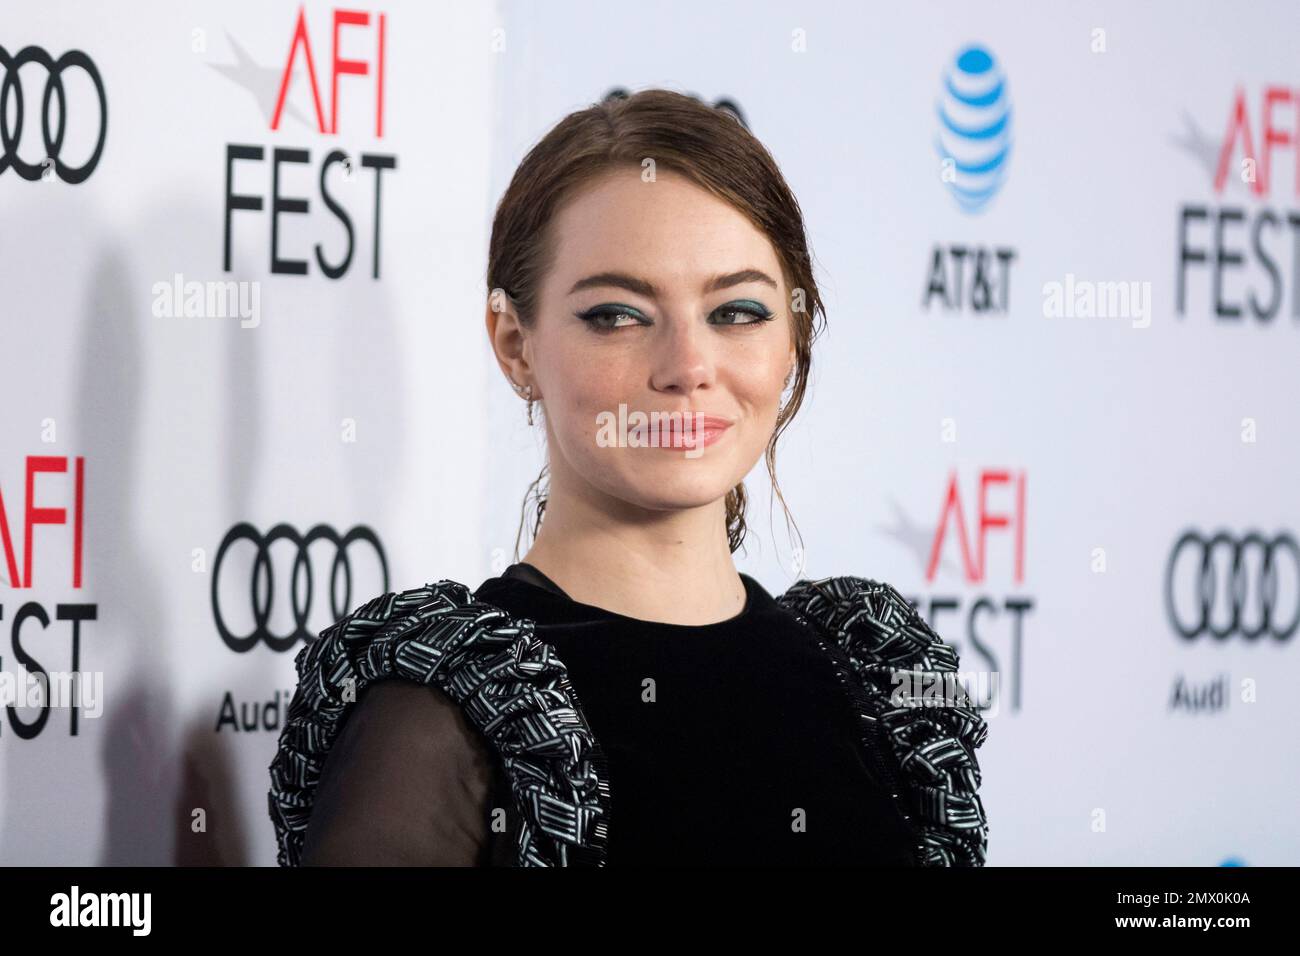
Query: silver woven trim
[881, 633]
[511, 686]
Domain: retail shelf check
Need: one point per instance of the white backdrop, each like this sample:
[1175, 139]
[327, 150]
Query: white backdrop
[1022, 470]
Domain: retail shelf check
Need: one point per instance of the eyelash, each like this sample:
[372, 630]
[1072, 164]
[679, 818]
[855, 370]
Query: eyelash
[759, 312]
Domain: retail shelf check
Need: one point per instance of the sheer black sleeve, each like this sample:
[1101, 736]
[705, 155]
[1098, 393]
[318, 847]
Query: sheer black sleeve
[408, 782]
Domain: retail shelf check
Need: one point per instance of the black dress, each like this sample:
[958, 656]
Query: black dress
[727, 743]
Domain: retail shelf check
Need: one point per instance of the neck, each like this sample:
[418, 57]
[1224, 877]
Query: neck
[674, 567]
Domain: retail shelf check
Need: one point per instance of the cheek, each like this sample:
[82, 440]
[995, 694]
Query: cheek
[760, 378]
[585, 391]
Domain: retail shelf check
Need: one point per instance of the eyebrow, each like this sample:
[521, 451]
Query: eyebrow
[624, 281]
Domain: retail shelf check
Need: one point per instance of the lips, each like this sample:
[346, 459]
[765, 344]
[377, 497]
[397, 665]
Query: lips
[710, 422]
[690, 431]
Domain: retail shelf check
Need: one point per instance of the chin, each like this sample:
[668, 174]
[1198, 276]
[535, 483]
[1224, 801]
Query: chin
[661, 490]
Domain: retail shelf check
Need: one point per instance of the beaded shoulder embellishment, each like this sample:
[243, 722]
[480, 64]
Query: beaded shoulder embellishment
[511, 686]
[934, 771]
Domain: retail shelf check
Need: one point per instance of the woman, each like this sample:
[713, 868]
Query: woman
[623, 695]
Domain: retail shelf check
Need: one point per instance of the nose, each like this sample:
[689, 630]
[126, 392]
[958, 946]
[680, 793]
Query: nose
[682, 360]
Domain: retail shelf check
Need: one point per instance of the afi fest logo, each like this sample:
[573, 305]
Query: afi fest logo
[348, 179]
[1239, 256]
[30, 603]
[985, 624]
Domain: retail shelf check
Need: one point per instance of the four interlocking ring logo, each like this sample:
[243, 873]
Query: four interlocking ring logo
[1272, 552]
[9, 139]
[261, 597]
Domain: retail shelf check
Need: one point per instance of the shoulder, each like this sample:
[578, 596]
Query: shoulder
[870, 618]
[900, 661]
[407, 782]
[504, 684]
[845, 596]
[412, 720]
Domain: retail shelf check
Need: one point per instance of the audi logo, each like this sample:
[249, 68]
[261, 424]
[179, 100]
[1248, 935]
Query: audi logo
[301, 580]
[54, 70]
[1255, 590]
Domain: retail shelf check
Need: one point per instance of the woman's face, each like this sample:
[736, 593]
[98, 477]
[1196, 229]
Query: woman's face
[656, 300]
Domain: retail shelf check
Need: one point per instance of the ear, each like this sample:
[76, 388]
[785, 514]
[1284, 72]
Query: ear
[506, 335]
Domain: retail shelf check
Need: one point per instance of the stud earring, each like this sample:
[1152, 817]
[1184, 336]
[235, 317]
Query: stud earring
[526, 391]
